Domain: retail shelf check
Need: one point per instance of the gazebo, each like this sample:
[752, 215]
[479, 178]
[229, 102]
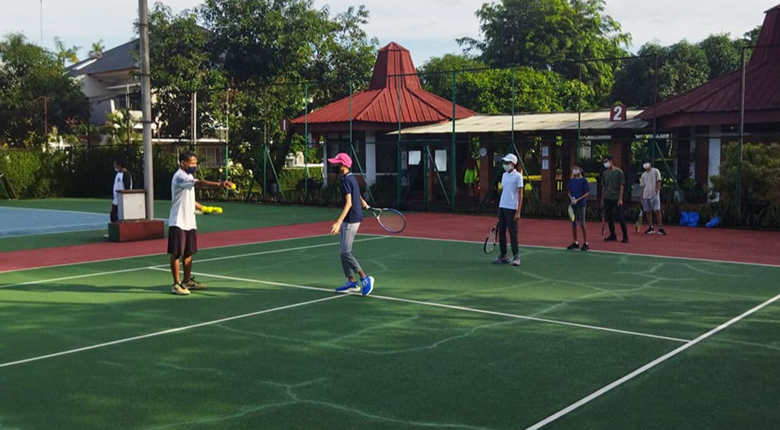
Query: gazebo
[395, 98]
[706, 116]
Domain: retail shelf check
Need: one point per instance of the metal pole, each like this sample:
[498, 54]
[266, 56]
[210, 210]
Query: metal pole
[227, 138]
[514, 95]
[453, 176]
[741, 134]
[398, 153]
[41, 23]
[579, 113]
[306, 140]
[265, 159]
[655, 102]
[194, 123]
[146, 100]
[426, 176]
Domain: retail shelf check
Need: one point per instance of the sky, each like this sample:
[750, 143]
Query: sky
[428, 28]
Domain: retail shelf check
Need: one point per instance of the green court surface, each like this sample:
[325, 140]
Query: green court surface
[446, 341]
[237, 216]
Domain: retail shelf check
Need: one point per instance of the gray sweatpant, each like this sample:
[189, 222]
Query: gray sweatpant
[348, 261]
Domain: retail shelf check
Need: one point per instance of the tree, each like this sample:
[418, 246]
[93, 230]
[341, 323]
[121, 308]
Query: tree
[97, 49]
[552, 35]
[35, 92]
[490, 90]
[723, 54]
[66, 54]
[183, 65]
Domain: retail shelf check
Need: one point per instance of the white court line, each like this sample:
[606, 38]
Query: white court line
[459, 308]
[205, 260]
[164, 332]
[648, 366]
[53, 210]
[159, 253]
[595, 251]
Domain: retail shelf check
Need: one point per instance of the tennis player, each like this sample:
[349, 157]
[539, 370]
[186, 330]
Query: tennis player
[182, 228]
[122, 181]
[579, 191]
[348, 224]
[509, 209]
[650, 182]
[613, 183]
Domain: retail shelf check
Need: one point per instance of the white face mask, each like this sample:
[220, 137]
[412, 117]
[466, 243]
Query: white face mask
[607, 164]
[117, 169]
[646, 166]
[507, 167]
[576, 172]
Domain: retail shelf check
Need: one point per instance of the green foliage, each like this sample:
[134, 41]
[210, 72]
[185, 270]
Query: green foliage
[292, 179]
[760, 174]
[32, 81]
[19, 168]
[723, 54]
[491, 91]
[552, 35]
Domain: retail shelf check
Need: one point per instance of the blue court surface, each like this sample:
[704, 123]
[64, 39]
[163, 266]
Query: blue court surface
[22, 221]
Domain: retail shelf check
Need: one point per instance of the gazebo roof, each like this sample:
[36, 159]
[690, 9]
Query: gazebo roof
[718, 101]
[379, 104]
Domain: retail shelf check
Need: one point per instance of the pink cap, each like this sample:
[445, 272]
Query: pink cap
[341, 158]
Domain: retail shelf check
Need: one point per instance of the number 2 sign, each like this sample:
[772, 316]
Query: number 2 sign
[617, 113]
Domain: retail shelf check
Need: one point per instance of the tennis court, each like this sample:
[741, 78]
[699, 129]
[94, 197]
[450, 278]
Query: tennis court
[447, 340]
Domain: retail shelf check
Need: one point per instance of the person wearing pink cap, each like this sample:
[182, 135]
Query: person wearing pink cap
[347, 225]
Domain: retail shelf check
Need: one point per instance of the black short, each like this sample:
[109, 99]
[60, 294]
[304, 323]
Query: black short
[182, 243]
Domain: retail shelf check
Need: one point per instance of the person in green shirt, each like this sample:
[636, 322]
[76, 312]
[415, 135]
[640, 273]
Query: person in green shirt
[613, 183]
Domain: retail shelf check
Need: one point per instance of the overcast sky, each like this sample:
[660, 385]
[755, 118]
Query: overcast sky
[426, 27]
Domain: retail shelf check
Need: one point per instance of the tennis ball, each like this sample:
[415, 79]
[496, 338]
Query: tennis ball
[233, 186]
[205, 209]
[218, 210]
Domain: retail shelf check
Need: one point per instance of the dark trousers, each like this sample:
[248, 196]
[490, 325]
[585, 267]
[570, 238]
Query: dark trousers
[506, 219]
[611, 208]
[114, 213]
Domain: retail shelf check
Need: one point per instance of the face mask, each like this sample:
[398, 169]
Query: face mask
[336, 170]
[646, 166]
[191, 170]
[116, 169]
[507, 167]
[576, 172]
[607, 164]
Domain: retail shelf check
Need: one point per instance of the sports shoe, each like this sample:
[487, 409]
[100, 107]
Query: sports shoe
[625, 239]
[516, 260]
[585, 247]
[661, 231]
[192, 284]
[612, 238]
[179, 290]
[651, 230]
[349, 287]
[574, 245]
[368, 285]
[502, 260]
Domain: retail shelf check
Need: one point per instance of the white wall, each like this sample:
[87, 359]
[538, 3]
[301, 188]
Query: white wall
[370, 157]
[715, 148]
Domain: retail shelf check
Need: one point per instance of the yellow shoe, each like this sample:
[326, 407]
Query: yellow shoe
[192, 284]
[179, 290]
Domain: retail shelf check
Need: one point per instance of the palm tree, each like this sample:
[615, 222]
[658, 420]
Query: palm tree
[97, 49]
[65, 54]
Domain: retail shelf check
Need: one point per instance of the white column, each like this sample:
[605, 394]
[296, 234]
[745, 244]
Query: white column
[324, 165]
[370, 157]
[714, 158]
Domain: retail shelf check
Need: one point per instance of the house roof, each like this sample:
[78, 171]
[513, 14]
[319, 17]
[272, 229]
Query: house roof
[113, 60]
[589, 122]
[718, 101]
[379, 104]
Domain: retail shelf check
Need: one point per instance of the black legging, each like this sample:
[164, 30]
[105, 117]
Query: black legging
[610, 209]
[506, 219]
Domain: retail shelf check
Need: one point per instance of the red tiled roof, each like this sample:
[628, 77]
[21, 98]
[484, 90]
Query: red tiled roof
[719, 99]
[379, 104]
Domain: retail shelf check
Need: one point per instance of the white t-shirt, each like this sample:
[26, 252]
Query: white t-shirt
[119, 185]
[183, 201]
[649, 182]
[511, 182]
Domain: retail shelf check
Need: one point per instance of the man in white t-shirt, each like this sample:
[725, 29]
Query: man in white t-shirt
[650, 182]
[182, 228]
[509, 209]
[122, 181]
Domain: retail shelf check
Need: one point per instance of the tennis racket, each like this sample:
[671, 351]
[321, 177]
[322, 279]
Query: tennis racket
[391, 220]
[571, 213]
[639, 220]
[491, 239]
[603, 223]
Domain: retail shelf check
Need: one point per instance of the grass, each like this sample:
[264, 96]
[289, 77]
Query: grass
[446, 341]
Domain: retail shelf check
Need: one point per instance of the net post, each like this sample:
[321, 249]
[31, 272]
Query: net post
[453, 176]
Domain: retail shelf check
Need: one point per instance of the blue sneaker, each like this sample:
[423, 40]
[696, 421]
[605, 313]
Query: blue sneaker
[349, 287]
[502, 260]
[368, 285]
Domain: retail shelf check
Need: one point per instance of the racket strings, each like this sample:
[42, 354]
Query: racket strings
[392, 221]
